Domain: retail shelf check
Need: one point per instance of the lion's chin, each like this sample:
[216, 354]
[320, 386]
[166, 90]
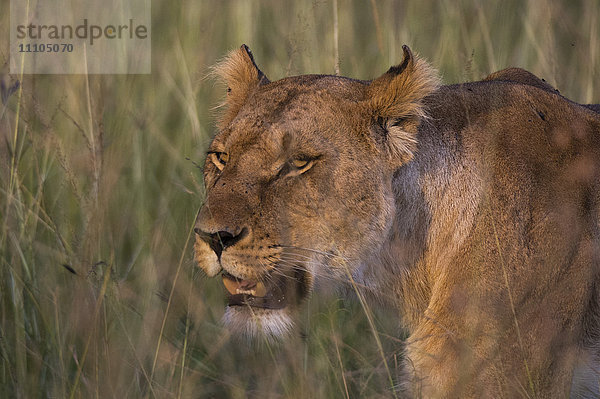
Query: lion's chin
[258, 323]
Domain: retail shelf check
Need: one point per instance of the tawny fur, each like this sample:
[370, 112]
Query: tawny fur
[238, 71]
[473, 209]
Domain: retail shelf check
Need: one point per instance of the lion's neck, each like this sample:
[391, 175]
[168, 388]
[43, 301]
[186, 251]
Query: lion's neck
[391, 276]
[434, 214]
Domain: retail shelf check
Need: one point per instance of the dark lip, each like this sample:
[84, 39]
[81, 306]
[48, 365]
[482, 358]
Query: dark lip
[266, 302]
[282, 290]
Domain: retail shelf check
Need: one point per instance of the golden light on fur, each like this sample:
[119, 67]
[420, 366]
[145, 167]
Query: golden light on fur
[400, 92]
[209, 261]
[472, 209]
[239, 72]
[396, 99]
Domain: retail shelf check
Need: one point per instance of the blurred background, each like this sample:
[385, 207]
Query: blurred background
[100, 184]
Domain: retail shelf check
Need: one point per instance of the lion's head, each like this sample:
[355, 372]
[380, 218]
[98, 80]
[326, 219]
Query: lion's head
[299, 182]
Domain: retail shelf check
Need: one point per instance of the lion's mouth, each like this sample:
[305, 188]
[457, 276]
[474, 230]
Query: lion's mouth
[272, 293]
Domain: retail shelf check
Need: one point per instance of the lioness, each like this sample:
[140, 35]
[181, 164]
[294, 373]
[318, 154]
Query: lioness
[474, 209]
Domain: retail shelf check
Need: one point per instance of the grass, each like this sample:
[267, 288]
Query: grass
[99, 188]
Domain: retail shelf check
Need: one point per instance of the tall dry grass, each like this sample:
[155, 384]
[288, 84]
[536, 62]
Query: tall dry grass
[100, 185]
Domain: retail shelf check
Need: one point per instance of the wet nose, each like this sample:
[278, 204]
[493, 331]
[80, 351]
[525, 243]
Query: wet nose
[220, 240]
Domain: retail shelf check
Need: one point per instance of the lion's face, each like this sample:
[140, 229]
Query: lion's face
[298, 184]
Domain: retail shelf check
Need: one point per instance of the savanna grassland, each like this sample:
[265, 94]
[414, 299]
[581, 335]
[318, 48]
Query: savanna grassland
[100, 183]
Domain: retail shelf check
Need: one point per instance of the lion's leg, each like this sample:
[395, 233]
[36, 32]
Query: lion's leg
[474, 355]
[441, 364]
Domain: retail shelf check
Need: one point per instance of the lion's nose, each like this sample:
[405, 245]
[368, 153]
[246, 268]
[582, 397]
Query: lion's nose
[221, 240]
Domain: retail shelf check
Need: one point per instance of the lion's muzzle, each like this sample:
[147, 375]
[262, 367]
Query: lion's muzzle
[258, 294]
[220, 240]
[226, 252]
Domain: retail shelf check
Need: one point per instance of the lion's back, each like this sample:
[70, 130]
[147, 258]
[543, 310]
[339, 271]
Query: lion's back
[536, 158]
[517, 131]
[519, 200]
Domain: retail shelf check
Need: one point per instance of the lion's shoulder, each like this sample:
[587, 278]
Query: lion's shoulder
[518, 75]
[522, 77]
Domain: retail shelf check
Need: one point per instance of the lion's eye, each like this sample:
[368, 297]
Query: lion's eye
[220, 159]
[301, 165]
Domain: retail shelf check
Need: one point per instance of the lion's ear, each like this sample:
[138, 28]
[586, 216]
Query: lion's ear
[241, 75]
[395, 104]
